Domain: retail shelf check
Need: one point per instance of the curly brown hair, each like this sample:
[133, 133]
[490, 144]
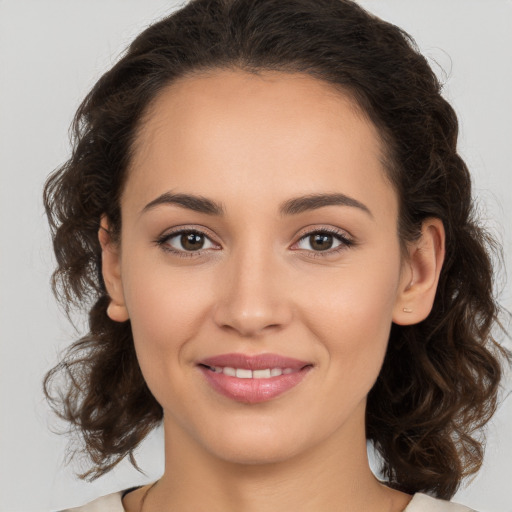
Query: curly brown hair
[440, 378]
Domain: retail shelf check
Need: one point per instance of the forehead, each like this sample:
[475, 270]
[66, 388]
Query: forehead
[265, 97]
[272, 130]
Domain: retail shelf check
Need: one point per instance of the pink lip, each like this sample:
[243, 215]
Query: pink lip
[253, 390]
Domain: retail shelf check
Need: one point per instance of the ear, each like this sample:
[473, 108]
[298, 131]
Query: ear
[420, 274]
[111, 270]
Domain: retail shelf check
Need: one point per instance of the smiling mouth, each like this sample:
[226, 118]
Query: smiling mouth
[253, 379]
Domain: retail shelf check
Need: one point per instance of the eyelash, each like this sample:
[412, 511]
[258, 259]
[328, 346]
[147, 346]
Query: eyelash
[339, 235]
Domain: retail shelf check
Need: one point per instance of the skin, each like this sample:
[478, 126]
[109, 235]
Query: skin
[251, 142]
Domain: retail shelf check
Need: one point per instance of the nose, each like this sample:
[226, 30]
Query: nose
[253, 294]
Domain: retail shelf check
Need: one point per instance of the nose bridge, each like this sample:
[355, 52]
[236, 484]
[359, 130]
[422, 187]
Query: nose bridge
[251, 296]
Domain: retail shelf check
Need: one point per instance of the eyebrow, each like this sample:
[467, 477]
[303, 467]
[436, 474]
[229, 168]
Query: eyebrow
[292, 206]
[314, 201]
[196, 203]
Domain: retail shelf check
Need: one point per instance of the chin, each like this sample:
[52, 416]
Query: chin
[255, 447]
[249, 454]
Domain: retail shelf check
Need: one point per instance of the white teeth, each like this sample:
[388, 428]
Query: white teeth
[241, 373]
[262, 374]
[244, 373]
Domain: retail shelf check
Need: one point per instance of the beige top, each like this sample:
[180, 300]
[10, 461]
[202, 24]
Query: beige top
[419, 503]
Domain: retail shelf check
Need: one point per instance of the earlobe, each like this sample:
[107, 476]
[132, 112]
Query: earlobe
[111, 271]
[421, 274]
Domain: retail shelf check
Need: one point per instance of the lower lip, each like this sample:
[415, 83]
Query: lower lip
[253, 391]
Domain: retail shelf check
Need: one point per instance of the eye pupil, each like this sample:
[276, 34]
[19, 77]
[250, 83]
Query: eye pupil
[192, 241]
[321, 241]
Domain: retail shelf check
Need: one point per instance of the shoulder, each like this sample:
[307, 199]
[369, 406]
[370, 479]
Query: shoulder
[424, 503]
[109, 503]
[419, 503]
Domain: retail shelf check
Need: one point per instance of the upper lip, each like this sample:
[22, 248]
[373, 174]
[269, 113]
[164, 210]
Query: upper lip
[254, 362]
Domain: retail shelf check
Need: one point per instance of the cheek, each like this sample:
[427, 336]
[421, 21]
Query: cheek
[359, 293]
[166, 319]
[166, 311]
[351, 312]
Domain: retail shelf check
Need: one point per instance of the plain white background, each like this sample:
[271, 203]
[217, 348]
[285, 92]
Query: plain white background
[51, 53]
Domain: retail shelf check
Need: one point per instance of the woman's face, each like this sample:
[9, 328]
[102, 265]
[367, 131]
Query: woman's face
[257, 219]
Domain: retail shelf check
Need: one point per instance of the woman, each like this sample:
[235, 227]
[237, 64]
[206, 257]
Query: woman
[266, 205]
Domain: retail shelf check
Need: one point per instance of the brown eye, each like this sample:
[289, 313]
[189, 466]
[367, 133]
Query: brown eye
[186, 241]
[321, 241]
[324, 241]
[192, 241]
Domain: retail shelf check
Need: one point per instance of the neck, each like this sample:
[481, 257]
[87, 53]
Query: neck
[332, 476]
